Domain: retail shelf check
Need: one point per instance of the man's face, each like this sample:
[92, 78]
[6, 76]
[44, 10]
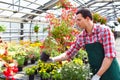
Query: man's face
[80, 21]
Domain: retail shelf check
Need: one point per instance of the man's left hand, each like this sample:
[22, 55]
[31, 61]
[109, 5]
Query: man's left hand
[96, 77]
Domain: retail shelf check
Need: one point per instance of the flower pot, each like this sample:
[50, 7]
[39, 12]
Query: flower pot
[44, 57]
[20, 68]
[44, 79]
[36, 72]
[25, 63]
[32, 61]
[31, 77]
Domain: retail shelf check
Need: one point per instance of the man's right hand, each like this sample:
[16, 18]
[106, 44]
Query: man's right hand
[50, 60]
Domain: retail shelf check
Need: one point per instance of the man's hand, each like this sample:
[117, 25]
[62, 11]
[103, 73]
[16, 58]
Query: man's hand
[50, 60]
[96, 77]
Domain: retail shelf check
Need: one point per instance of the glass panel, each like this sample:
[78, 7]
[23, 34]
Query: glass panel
[17, 15]
[25, 10]
[6, 13]
[42, 2]
[33, 6]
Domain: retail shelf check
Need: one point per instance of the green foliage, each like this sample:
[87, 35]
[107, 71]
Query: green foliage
[56, 75]
[75, 70]
[36, 28]
[49, 45]
[81, 54]
[2, 28]
[61, 31]
[47, 70]
[96, 17]
[20, 60]
[29, 71]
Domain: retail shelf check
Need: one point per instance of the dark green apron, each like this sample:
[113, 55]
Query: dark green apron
[96, 55]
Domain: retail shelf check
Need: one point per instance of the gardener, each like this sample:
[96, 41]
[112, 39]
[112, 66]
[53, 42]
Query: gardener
[98, 40]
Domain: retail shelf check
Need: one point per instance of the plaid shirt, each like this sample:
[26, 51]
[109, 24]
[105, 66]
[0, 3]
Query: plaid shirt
[100, 33]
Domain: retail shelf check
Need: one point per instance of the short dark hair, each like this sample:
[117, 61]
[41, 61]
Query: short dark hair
[85, 13]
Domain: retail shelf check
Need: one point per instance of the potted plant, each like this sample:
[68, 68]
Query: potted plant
[2, 28]
[49, 45]
[32, 58]
[35, 67]
[36, 29]
[61, 30]
[44, 56]
[75, 70]
[20, 60]
[56, 74]
[26, 60]
[30, 72]
[44, 75]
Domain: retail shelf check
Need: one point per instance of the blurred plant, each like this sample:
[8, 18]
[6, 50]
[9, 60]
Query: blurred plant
[10, 70]
[64, 4]
[46, 70]
[96, 17]
[2, 28]
[8, 64]
[61, 29]
[36, 29]
[118, 19]
[29, 71]
[103, 20]
[75, 70]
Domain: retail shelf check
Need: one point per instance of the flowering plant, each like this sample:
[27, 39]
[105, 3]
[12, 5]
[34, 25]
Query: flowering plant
[61, 29]
[64, 4]
[75, 70]
[8, 66]
[29, 71]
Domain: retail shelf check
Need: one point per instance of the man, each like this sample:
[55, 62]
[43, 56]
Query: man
[98, 40]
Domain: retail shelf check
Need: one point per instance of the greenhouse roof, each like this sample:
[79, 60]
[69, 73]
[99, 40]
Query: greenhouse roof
[36, 10]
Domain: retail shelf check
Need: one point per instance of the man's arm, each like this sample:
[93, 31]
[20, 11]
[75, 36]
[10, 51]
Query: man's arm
[61, 57]
[105, 65]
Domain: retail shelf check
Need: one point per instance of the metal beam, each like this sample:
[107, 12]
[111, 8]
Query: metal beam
[20, 12]
[44, 8]
[20, 6]
[18, 20]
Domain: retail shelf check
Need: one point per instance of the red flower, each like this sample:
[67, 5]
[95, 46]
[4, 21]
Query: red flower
[14, 69]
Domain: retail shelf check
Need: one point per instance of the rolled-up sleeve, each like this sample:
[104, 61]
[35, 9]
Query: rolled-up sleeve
[72, 51]
[109, 43]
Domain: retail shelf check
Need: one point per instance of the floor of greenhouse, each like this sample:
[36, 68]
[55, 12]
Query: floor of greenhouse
[22, 76]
